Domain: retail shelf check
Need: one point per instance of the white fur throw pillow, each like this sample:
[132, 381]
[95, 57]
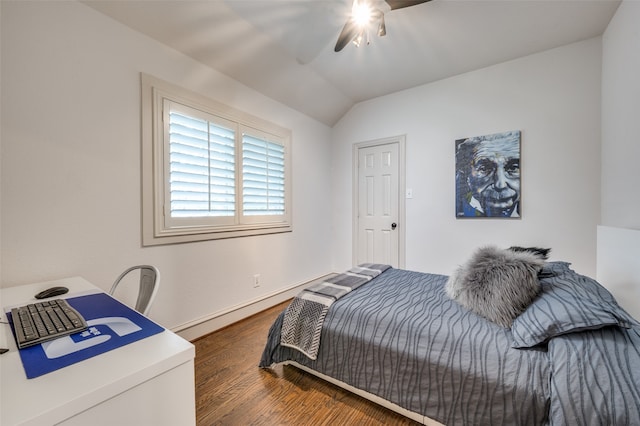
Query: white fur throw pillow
[496, 284]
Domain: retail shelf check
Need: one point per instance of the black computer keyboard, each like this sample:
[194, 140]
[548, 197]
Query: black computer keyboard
[43, 321]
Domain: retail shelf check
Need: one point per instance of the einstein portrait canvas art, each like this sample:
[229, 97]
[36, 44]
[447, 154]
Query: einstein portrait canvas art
[488, 176]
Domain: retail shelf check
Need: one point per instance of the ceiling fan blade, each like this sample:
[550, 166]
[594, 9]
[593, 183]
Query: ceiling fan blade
[399, 4]
[348, 33]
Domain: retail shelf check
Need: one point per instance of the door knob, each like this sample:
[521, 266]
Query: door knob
[394, 225]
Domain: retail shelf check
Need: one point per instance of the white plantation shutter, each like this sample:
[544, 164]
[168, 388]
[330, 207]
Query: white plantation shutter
[210, 171]
[263, 177]
[201, 165]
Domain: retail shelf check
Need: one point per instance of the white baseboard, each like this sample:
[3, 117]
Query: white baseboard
[205, 325]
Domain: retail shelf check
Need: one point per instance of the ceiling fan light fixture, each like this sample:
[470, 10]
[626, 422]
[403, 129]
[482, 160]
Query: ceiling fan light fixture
[361, 13]
[363, 18]
[382, 29]
[357, 41]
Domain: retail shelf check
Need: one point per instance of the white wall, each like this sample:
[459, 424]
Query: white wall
[553, 97]
[619, 237]
[71, 167]
[70, 160]
[621, 118]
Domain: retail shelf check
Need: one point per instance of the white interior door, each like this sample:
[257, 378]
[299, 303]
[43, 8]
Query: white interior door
[378, 204]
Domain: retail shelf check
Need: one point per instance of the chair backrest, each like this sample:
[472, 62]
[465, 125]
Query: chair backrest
[149, 283]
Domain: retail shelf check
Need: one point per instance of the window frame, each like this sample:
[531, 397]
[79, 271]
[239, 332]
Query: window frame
[157, 227]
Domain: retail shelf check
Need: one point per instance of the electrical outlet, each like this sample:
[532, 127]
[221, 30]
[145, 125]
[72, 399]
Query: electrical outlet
[256, 280]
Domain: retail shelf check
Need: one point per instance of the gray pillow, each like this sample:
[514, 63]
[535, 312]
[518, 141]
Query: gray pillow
[568, 303]
[496, 284]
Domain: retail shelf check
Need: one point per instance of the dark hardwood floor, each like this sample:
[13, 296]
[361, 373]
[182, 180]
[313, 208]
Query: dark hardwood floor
[232, 390]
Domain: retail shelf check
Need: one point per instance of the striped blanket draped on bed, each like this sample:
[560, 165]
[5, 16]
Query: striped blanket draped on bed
[305, 315]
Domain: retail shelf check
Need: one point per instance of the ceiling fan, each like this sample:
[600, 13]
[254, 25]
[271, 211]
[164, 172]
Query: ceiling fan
[363, 14]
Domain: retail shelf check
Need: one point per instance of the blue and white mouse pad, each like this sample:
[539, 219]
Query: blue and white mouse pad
[111, 325]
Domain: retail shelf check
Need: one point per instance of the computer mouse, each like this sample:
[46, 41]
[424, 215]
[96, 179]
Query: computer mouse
[50, 292]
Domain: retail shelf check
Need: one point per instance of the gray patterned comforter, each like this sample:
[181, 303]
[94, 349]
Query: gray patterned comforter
[401, 338]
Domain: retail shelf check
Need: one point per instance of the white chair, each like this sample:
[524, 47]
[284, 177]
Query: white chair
[149, 283]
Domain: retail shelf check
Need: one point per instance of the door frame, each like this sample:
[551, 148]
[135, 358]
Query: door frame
[401, 142]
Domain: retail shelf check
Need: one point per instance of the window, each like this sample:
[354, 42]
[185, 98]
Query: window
[210, 171]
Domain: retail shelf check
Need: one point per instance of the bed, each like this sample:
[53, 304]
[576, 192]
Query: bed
[570, 356]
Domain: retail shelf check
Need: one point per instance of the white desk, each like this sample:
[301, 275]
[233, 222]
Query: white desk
[149, 382]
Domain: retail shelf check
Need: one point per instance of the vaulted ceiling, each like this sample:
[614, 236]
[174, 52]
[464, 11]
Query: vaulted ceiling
[285, 48]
